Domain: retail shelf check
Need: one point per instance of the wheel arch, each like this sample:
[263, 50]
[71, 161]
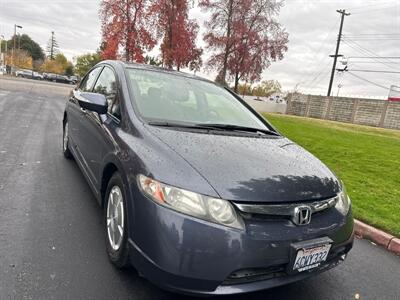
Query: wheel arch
[108, 171]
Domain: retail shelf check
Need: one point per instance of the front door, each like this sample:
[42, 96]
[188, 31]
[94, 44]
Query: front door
[97, 129]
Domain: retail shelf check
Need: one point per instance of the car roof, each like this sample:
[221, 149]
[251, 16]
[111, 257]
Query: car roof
[132, 65]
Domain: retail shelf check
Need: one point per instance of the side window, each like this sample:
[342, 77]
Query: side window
[107, 85]
[87, 83]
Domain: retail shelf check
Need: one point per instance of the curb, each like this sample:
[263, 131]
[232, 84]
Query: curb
[377, 236]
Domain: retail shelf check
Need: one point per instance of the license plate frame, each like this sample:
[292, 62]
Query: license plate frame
[308, 245]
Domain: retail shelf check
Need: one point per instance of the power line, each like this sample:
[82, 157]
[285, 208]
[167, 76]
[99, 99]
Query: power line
[365, 51]
[383, 77]
[356, 8]
[370, 62]
[315, 74]
[374, 10]
[394, 38]
[369, 52]
[322, 75]
[375, 71]
[372, 38]
[371, 33]
[384, 57]
[369, 81]
[312, 83]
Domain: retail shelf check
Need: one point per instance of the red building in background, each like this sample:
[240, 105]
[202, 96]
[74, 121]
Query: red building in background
[394, 94]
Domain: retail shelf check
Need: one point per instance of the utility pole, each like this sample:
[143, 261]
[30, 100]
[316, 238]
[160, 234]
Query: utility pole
[343, 14]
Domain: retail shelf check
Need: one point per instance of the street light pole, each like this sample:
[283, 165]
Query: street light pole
[1, 49]
[338, 90]
[15, 37]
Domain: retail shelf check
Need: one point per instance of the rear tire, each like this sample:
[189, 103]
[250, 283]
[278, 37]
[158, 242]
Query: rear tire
[67, 153]
[116, 222]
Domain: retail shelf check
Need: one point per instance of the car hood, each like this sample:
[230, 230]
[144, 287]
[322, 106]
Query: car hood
[251, 169]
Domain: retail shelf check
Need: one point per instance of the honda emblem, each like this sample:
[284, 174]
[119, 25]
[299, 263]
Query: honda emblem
[302, 215]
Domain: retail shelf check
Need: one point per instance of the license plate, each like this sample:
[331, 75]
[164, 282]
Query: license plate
[310, 257]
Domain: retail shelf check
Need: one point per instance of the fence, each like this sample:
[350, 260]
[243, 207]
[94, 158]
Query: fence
[372, 112]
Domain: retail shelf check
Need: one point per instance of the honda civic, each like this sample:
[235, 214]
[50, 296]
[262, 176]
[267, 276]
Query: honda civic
[201, 194]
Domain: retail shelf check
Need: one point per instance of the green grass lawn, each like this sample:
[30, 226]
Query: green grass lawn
[367, 159]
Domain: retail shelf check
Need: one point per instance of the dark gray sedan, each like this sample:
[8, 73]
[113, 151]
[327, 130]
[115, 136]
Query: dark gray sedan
[201, 194]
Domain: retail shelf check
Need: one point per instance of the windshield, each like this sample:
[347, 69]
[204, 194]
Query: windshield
[176, 99]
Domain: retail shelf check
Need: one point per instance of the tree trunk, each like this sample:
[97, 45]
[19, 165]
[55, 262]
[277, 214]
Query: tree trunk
[236, 81]
[169, 59]
[227, 46]
[127, 41]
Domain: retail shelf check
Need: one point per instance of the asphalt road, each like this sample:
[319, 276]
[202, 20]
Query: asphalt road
[51, 238]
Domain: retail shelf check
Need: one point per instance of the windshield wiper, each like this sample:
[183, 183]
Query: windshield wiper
[175, 125]
[220, 127]
[230, 127]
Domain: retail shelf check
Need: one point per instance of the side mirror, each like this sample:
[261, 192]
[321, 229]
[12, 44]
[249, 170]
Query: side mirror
[93, 102]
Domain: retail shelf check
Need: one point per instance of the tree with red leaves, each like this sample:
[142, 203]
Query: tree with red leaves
[125, 27]
[178, 34]
[245, 37]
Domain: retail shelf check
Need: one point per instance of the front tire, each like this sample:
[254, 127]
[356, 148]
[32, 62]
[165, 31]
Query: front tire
[116, 222]
[67, 153]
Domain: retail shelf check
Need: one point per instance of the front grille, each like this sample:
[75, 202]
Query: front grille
[263, 218]
[265, 212]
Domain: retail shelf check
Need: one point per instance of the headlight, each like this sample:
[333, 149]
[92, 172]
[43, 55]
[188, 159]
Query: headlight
[193, 204]
[343, 203]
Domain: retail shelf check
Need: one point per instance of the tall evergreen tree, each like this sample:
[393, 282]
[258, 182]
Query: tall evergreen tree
[52, 47]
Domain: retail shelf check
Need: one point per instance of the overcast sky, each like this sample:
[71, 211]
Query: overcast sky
[312, 26]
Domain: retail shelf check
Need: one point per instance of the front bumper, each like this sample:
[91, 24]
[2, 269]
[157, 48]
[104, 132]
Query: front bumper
[191, 256]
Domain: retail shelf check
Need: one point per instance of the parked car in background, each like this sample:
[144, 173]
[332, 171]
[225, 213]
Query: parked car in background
[23, 73]
[63, 79]
[60, 78]
[51, 76]
[37, 76]
[201, 194]
[73, 79]
[29, 74]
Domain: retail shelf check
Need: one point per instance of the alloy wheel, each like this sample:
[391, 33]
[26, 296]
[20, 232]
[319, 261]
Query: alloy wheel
[115, 218]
